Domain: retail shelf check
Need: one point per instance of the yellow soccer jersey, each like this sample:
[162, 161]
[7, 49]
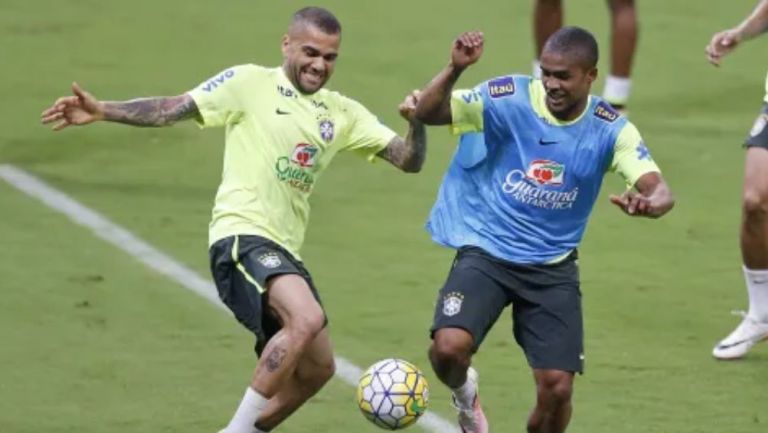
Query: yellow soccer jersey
[467, 116]
[278, 142]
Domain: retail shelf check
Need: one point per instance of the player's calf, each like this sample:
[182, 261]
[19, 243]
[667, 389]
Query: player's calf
[554, 389]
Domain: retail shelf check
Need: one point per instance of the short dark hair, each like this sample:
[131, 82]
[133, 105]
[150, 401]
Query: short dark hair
[321, 18]
[574, 40]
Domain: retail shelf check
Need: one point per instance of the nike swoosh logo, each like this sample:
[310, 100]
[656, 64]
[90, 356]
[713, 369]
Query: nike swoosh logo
[744, 341]
[281, 112]
[544, 142]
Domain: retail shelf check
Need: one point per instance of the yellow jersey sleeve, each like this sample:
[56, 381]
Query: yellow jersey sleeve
[220, 99]
[631, 158]
[366, 135]
[466, 111]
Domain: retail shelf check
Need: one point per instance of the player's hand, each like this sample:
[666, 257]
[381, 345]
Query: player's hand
[408, 107]
[721, 44]
[632, 203]
[80, 109]
[467, 49]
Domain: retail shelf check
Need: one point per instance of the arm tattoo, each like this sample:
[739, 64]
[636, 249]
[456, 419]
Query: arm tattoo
[407, 154]
[158, 111]
[275, 358]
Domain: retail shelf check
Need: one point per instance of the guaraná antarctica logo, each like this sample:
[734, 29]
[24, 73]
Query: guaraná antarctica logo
[296, 170]
[533, 186]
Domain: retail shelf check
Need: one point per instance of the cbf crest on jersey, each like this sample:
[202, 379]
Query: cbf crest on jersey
[270, 260]
[452, 303]
[326, 127]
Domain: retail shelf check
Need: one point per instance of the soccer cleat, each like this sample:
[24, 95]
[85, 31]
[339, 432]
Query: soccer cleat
[472, 420]
[737, 344]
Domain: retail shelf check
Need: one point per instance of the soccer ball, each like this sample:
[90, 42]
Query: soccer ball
[392, 394]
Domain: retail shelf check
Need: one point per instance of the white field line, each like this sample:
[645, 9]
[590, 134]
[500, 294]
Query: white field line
[163, 263]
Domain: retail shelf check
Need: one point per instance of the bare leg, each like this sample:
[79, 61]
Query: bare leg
[315, 369]
[291, 299]
[754, 221]
[553, 401]
[547, 19]
[623, 36]
[451, 355]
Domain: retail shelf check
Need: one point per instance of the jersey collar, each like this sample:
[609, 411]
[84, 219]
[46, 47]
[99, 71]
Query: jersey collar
[538, 95]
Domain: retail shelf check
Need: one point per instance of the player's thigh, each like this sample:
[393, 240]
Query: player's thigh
[547, 314]
[756, 176]
[471, 298]
[292, 300]
[756, 161]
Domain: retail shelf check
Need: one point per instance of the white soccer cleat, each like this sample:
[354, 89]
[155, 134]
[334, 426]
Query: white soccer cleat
[472, 420]
[737, 344]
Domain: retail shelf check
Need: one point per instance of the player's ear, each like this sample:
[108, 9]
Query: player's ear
[592, 75]
[284, 44]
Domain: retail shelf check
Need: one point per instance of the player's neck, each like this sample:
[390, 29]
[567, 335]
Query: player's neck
[574, 113]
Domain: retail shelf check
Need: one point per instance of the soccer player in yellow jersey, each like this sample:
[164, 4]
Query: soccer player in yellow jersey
[282, 130]
[754, 221]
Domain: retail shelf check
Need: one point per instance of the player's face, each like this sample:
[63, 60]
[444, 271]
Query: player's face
[309, 56]
[567, 83]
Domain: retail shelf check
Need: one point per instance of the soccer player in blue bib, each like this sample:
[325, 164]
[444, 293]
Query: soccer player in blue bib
[515, 202]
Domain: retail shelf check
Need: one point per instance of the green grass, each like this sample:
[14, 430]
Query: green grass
[93, 340]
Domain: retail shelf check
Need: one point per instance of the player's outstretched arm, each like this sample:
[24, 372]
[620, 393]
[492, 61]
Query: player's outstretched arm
[652, 199]
[408, 154]
[83, 109]
[434, 106]
[724, 42]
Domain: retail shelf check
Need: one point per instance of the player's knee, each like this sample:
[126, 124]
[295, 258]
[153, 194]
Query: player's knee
[305, 327]
[555, 390]
[755, 204]
[326, 370]
[452, 348]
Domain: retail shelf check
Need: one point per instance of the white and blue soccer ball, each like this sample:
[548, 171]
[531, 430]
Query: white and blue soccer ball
[392, 394]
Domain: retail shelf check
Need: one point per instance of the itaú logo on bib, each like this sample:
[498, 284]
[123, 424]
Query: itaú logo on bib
[527, 189]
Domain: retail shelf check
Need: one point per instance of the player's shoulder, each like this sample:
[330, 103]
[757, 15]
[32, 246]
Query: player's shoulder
[606, 114]
[338, 101]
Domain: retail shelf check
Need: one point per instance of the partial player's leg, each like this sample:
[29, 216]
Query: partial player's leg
[267, 291]
[548, 326]
[302, 319]
[754, 246]
[468, 305]
[624, 27]
[315, 369]
[547, 19]
[553, 401]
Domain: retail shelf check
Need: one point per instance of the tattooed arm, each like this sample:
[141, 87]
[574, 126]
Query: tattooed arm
[408, 153]
[83, 108]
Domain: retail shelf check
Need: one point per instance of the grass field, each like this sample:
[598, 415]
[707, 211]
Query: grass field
[91, 340]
